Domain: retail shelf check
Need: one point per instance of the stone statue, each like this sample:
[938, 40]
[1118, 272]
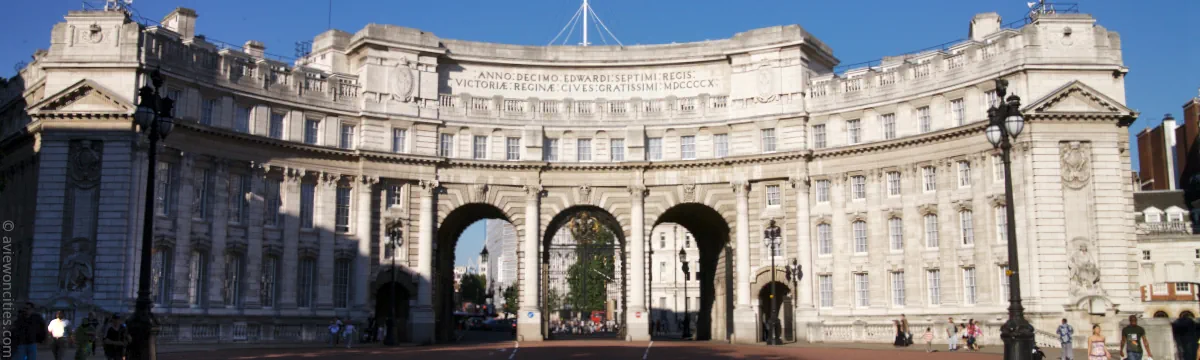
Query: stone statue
[77, 269]
[1085, 275]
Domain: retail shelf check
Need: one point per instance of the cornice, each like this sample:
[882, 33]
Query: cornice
[255, 139]
[908, 141]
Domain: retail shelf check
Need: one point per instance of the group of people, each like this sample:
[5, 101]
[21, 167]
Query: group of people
[1133, 342]
[964, 334]
[30, 329]
[582, 326]
[663, 327]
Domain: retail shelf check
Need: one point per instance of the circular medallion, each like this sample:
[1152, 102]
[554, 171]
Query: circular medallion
[402, 82]
[94, 34]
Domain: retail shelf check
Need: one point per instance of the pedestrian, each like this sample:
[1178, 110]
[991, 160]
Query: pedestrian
[28, 331]
[1096, 349]
[952, 335]
[907, 333]
[1133, 341]
[60, 330]
[928, 339]
[370, 331]
[901, 339]
[116, 339]
[335, 329]
[1187, 334]
[1065, 332]
[348, 334]
[85, 338]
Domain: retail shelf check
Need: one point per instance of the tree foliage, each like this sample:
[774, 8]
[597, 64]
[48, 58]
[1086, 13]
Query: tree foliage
[593, 269]
[472, 289]
[554, 300]
[510, 299]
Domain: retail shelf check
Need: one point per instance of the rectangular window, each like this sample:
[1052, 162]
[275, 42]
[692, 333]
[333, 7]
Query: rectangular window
[969, 294]
[1145, 254]
[687, 147]
[270, 272]
[931, 231]
[997, 168]
[898, 288]
[853, 131]
[512, 148]
[662, 240]
[347, 139]
[583, 148]
[306, 281]
[550, 149]
[446, 145]
[862, 290]
[618, 149]
[164, 191]
[239, 202]
[934, 278]
[822, 191]
[343, 210]
[893, 183]
[1174, 217]
[275, 127]
[989, 100]
[208, 107]
[197, 289]
[395, 196]
[1001, 224]
[889, 126]
[929, 175]
[242, 119]
[819, 136]
[662, 271]
[860, 236]
[272, 209]
[925, 122]
[341, 284]
[720, 145]
[654, 148]
[964, 174]
[162, 275]
[858, 187]
[967, 225]
[1153, 217]
[768, 140]
[479, 145]
[1003, 284]
[306, 205]
[233, 279]
[826, 284]
[311, 130]
[896, 233]
[773, 195]
[399, 140]
[202, 202]
[824, 239]
[956, 110]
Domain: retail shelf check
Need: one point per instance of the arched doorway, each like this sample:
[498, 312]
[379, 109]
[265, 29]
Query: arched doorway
[393, 296]
[586, 245]
[449, 231]
[713, 266]
[779, 306]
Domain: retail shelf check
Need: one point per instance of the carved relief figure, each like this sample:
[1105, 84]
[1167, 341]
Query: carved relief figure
[1085, 275]
[1075, 164]
[77, 269]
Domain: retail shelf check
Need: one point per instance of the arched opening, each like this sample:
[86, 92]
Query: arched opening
[673, 281]
[452, 310]
[392, 297]
[712, 265]
[1187, 314]
[583, 273]
[1161, 314]
[775, 301]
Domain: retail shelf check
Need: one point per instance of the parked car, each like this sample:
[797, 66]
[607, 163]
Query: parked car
[500, 324]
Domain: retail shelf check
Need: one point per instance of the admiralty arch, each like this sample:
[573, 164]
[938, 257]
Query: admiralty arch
[280, 180]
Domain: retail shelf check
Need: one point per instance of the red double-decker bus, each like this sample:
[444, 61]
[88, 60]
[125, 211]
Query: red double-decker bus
[597, 316]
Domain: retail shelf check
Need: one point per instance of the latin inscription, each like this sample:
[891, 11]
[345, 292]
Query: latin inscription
[582, 82]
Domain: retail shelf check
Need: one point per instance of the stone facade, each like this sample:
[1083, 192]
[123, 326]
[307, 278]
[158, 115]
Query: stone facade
[886, 191]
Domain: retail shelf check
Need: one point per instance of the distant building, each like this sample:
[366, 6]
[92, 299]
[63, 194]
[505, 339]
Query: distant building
[1187, 155]
[1156, 156]
[1168, 254]
[501, 269]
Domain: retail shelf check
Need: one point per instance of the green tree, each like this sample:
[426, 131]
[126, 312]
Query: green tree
[472, 289]
[510, 300]
[554, 300]
[593, 269]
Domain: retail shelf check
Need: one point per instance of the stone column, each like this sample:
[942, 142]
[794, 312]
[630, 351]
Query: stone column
[291, 238]
[422, 314]
[325, 212]
[529, 315]
[636, 316]
[183, 232]
[804, 249]
[362, 262]
[743, 313]
[253, 259]
[219, 223]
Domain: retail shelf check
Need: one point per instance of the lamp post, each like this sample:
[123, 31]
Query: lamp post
[771, 238]
[687, 313]
[795, 272]
[153, 118]
[1005, 122]
[395, 241]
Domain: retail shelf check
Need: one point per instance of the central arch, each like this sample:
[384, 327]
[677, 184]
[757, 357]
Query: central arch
[711, 232]
[621, 273]
[448, 232]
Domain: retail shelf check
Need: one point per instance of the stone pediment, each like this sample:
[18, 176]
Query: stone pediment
[1078, 99]
[84, 98]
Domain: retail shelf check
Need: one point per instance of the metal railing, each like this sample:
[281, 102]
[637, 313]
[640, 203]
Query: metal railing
[1169, 227]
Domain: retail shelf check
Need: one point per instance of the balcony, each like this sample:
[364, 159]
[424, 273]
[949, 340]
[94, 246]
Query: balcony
[1165, 228]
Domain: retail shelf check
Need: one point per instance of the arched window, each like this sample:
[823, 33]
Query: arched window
[1187, 315]
[1161, 314]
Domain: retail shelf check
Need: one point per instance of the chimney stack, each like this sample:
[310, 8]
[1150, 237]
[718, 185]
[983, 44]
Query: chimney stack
[182, 21]
[255, 48]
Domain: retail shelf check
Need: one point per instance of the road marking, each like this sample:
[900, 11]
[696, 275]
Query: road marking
[516, 346]
[647, 350]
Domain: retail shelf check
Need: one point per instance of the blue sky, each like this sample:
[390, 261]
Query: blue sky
[1158, 38]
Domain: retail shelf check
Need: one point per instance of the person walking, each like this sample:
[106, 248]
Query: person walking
[1096, 349]
[85, 338]
[28, 331]
[900, 340]
[335, 329]
[904, 328]
[952, 335]
[116, 338]
[928, 339]
[348, 334]
[60, 330]
[1065, 332]
[1133, 341]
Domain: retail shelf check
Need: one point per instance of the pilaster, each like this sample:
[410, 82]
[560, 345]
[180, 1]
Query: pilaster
[743, 313]
[325, 211]
[804, 251]
[361, 279]
[219, 227]
[183, 232]
[422, 314]
[255, 237]
[291, 237]
[637, 317]
[530, 316]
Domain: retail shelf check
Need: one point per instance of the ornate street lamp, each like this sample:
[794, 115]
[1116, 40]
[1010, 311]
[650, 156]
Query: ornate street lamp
[771, 237]
[794, 272]
[687, 317]
[153, 118]
[1005, 122]
[395, 232]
